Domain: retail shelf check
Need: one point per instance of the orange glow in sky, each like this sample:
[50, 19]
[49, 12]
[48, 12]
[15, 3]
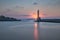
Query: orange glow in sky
[34, 15]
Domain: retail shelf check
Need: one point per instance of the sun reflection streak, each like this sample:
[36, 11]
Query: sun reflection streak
[36, 37]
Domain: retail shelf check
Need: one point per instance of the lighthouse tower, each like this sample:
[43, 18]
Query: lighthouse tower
[37, 14]
[38, 18]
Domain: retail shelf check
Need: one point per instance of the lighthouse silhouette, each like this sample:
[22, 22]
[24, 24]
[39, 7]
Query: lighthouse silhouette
[38, 19]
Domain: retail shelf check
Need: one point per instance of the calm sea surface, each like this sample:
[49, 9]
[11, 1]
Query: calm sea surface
[29, 30]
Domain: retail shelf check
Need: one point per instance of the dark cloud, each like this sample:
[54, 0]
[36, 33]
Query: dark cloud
[24, 15]
[35, 3]
[19, 6]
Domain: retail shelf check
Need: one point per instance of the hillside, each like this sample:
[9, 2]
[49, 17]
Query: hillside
[3, 18]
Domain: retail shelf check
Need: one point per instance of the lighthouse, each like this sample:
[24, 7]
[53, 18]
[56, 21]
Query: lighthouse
[38, 18]
[37, 14]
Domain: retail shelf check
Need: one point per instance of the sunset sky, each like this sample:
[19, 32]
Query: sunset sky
[27, 8]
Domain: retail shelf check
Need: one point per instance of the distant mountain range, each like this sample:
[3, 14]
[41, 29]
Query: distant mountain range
[3, 18]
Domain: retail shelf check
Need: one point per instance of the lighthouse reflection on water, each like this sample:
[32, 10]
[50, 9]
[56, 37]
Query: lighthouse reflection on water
[36, 31]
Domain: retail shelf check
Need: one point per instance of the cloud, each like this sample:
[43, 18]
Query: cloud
[17, 6]
[25, 15]
[35, 3]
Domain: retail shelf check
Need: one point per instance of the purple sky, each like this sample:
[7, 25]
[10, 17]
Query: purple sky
[24, 8]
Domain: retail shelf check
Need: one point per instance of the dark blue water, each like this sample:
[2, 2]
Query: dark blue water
[29, 31]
